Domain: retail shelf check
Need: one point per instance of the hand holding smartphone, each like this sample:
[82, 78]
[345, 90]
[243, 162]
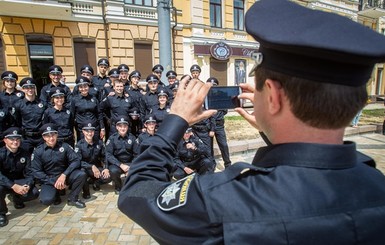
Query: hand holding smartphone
[223, 97]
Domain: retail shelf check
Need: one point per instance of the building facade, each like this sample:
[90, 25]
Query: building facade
[210, 33]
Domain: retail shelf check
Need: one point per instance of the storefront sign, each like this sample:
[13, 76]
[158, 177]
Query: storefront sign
[242, 52]
[221, 51]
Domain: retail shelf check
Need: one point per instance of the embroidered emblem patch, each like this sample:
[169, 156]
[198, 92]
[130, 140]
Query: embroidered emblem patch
[61, 149]
[22, 160]
[1, 114]
[40, 105]
[68, 112]
[76, 149]
[175, 195]
[129, 141]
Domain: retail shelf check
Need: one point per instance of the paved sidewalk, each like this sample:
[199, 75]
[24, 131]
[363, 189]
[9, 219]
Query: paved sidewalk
[102, 223]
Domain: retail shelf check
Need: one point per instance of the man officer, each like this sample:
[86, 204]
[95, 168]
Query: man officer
[56, 165]
[308, 186]
[15, 174]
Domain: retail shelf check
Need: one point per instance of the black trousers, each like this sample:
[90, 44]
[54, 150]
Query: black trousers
[115, 173]
[90, 174]
[76, 180]
[220, 136]
[201, 166]
[32, 194]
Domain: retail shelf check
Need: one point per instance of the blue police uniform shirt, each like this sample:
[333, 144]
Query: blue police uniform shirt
[29, 114]
[45, 94]
[63, 119]
[14, 166]
[120, 149]
[49, 163]
[91, 154]
[265, 197]
[87, 108]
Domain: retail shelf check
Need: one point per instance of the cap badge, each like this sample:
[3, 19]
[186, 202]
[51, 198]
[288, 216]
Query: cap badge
[14, 132]
[48, 128]
[57, 91]
[257, 57]
[89, 125]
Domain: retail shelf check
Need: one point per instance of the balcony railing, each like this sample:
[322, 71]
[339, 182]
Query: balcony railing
[376, 4]
[137, 11]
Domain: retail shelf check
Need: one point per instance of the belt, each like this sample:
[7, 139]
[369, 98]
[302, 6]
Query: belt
[200, 128]
[65, 138]
[32, 134]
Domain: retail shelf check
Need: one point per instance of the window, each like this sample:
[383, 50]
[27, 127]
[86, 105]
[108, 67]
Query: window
[143, 58]
[140, 2]
[85, 53]
[215, 13]
[239, 11]
[40, 58]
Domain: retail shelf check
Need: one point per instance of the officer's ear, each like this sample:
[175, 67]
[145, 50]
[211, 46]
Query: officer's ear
[275, 96]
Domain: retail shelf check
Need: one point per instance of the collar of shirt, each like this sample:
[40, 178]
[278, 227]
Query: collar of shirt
[321, 156]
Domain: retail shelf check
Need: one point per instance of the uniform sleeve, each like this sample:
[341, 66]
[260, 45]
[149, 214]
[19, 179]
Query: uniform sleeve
[73, 160]
[4, 181]
[212, 124]
[148, 187]
[110, 158]
[38, 169]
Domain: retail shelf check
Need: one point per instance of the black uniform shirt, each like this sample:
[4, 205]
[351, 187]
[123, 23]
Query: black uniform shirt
[63, 119]
[117, 106]
[86, 108]
[93, 91]
[292, 193]
[120, 149]
[29, 114]
[99, 81]
[91, 154]
[14, 166]
[49, 163]
[45, 94]
[8, 100]
[159, 113]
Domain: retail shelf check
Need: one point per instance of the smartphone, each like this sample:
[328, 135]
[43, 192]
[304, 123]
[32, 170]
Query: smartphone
[223, 97]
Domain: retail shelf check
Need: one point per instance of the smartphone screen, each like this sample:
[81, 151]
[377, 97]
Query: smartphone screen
[223, 97]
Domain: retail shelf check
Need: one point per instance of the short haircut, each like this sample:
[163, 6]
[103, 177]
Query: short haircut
[320, 105]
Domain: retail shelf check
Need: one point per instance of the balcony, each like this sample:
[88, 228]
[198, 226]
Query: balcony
[372, 8]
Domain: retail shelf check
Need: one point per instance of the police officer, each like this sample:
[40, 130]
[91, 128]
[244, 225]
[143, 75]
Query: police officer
[92, 157]
[151, 97]
[85, 107]
[116, 105]
[195, 71]
[120, 148]
[87, 71]
[62, 117]
[136, 93]
[15, 174]
[171, 76]
[149, 131]
[192, 156]
[101, 79]
[308, 186]
[113, 75]
[55, 75]
[56, 165]
[162, 108]
[205, 130]
[123, 74]
[10, 95]
[29, 113]
[219, 130]
[4, 122]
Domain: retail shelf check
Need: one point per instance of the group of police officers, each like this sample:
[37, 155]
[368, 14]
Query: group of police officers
[90, 135]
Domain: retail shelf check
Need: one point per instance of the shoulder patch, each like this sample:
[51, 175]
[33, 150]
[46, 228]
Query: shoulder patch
[175, 195]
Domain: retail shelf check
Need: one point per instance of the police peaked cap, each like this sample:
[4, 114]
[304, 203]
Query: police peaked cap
[27, 81]
[162, 93]
[135, 74]
[9, 75]
[87, 69]
[195, 68]
[87, 125]
[152, 78]
[122, 119]
[123, 68]
[113, 73]
[82, 80]
[56, 91]
[212, 80]
[313, 44]
[171, 74]
[12, 132]
[150, 118]
[104, 62]
[55, 69]
[158, 67]
[48, 128]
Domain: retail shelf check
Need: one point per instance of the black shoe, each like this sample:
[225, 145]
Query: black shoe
[3, 220]
[62, 192]
[117, 191]
[77, 203]
[57, 201]
[96, 186]
[19, 205]
[86, 195]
